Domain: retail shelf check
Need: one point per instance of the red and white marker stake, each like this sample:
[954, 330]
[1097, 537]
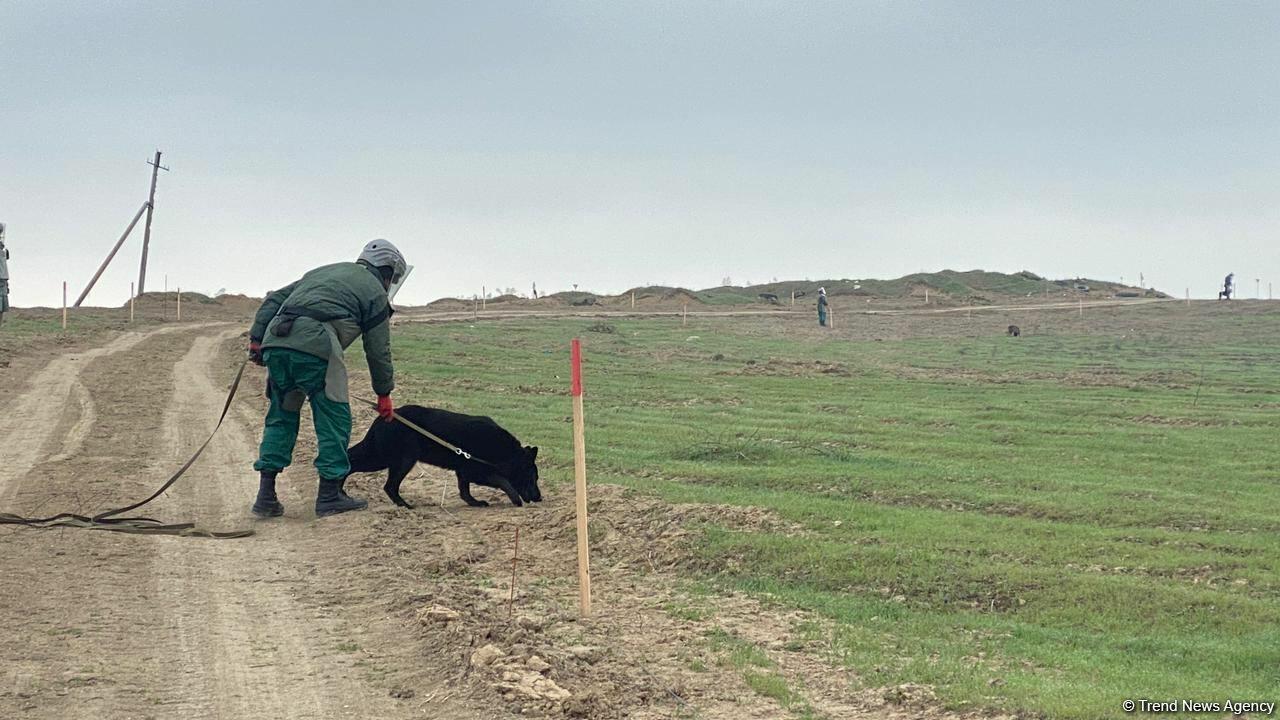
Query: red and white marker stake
[580, 477]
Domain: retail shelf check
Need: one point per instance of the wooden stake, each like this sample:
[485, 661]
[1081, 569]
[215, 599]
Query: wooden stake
[1188, 296]
[475, 310]
[926, 296]
[484, 297]
[515, 554]
[64, 304]
[684, 315]
[1081, 307]
[580, 480]
[179, 303]
[633, 299]
[831, 317]
[793, 299]
[130, 302]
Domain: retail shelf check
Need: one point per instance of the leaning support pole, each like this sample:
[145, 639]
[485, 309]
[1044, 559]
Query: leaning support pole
[580, 481]
[146, 230]
[112, 254]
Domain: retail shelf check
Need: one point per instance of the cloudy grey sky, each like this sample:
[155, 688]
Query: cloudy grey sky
[612, 144]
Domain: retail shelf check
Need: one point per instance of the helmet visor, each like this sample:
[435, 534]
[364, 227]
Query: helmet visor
[397, 282]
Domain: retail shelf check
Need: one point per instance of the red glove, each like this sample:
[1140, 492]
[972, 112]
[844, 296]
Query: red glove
[255, 353]
[385, 410]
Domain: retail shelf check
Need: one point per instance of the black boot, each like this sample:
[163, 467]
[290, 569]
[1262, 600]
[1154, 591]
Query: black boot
[332, 499]
[267, 505]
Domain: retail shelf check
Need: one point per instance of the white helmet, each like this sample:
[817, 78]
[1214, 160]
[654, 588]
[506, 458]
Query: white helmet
[381, 253]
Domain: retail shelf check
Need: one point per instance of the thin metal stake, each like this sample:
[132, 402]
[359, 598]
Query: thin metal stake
[515, 555]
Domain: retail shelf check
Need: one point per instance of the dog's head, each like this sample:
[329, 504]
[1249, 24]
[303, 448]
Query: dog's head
[524, 474]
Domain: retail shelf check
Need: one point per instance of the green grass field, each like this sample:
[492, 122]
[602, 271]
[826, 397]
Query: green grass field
[1048, 524]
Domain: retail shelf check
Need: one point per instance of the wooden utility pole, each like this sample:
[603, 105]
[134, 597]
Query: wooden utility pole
[146, 229]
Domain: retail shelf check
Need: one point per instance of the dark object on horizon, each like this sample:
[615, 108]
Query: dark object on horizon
[1228, 287]
[397, 448]
[800, 294]
[588, 300]
[1014, 331]
[770, 297]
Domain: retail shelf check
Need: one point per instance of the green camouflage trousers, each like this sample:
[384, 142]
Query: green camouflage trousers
[293, 376]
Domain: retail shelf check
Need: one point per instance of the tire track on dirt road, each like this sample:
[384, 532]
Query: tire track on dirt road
[27, 425]
[251, 648]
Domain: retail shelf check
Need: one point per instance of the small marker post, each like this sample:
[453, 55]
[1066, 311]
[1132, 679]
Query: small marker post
[130, 302]
[484, 297]
[1081, 307]
[64, 304]
[515, 556]
[179, 303]
[633, 299]
[580, 479]
[684, 315]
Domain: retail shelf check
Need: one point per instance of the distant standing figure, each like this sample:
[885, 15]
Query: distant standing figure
[1228, 286]
[822, 307]
[4, 276]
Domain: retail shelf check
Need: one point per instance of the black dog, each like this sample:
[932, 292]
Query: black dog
[498, 459]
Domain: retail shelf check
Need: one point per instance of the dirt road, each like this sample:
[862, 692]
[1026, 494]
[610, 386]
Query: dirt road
[106, 625]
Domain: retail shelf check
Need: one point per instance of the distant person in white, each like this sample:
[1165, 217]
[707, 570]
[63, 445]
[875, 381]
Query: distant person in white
[4, 276]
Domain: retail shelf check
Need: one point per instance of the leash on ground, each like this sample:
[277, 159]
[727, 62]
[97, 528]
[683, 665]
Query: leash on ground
[109, 520]
[428, 434]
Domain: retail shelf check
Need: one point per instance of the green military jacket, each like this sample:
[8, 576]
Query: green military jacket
[330, 307]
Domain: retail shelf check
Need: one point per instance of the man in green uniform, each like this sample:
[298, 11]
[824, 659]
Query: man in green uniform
[299, 334]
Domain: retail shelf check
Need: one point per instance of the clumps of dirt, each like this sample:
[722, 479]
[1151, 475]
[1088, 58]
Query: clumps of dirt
[602, 327]
[446, 576]
[779, 367]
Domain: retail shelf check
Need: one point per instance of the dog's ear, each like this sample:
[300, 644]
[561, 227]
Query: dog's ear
[532, 452]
